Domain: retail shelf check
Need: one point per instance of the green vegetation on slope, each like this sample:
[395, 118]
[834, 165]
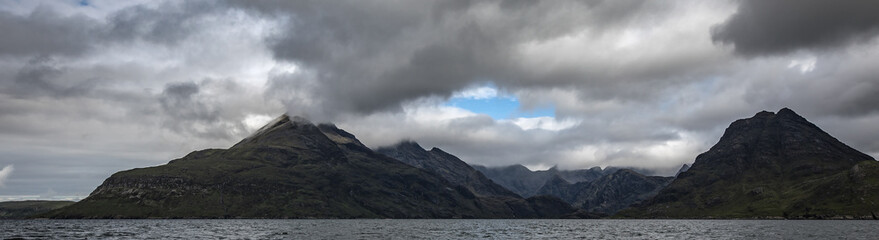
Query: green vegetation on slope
[25, 209]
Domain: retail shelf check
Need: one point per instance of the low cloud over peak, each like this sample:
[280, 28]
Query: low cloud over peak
[4, 174]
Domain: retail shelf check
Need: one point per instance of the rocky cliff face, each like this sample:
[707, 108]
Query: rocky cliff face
[525, 182]
[608, 194]
[771, 165]
[457, 172]
[291, 168]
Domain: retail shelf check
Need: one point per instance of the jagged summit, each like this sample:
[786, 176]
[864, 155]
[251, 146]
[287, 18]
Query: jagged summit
[606, 194]
[297, 131]
[408, 144]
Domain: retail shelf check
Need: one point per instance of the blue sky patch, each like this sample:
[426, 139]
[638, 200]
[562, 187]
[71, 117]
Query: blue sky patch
[486, 100]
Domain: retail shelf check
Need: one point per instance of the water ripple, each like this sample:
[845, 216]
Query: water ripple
[436, 229]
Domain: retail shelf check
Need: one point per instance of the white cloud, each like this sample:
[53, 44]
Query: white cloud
[545, 123]
[806, 64]
[4, 174]
[483, 92]
[255, 121]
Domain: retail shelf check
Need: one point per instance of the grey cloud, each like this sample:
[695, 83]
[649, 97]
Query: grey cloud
[41, 77]
[167, 24]
[44, 32]
[374, 55]
[188, 111]
[179, 100]
[762, 27]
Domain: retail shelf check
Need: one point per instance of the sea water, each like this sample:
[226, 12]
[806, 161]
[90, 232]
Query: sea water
[437, 229]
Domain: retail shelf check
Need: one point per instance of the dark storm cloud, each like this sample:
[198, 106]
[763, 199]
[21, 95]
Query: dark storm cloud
[765, 27]
[373, 55]
[45, 32]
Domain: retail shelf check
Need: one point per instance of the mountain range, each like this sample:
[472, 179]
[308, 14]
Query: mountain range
[772, 165]
[292, 168]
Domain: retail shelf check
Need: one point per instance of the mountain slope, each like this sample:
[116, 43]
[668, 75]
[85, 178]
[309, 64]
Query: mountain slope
[445, 165]
[290, 168]
[684, 168]
[771, 165]
[457, 172]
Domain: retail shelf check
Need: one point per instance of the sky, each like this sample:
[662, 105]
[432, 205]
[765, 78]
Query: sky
[89, 88]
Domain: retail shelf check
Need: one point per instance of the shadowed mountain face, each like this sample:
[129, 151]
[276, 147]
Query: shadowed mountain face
[771, 165]
[292, 168]
[525, 182]
[684, 168]
[593, 190]
[607, 194]
[447, 166]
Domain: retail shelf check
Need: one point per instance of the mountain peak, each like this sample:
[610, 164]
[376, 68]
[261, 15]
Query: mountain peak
[766, 165]
[280, 121]
[299, 132]
[440, 152]
[297, 119]
[787, 113]
[764, 114]
[783, 134]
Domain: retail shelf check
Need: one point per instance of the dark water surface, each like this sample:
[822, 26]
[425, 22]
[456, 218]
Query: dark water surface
[438, 229]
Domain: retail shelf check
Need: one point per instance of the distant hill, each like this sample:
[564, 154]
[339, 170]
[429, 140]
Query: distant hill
[447, 166]
[772, 165]
[25, 209]
[292, 168]
[526, 183]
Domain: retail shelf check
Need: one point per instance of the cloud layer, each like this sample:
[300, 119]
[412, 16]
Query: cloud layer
[88, 90]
